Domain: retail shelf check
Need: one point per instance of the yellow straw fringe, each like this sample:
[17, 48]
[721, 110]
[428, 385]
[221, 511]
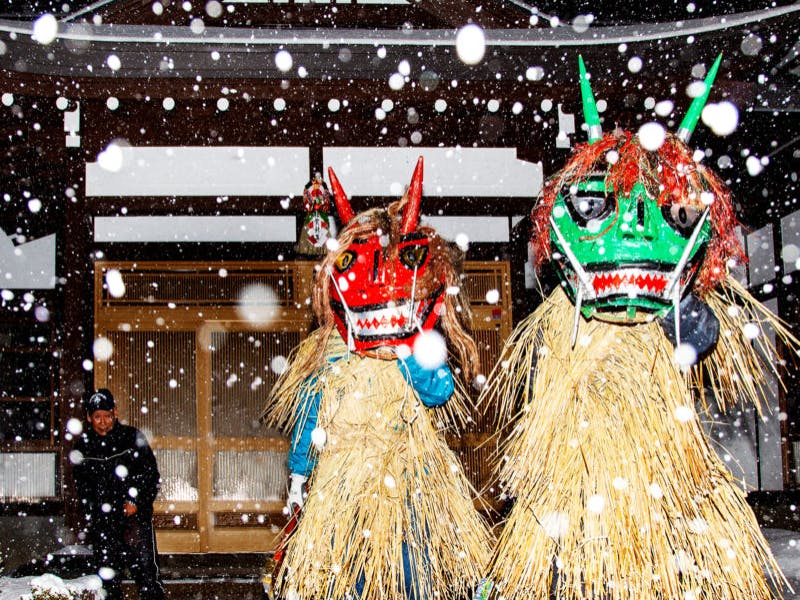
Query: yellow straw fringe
[384, 476]
[281, 412]
[618, 494]
[735, 370]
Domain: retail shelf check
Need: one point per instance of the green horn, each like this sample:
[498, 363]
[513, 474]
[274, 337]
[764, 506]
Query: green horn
[590, 115]
[696, 108]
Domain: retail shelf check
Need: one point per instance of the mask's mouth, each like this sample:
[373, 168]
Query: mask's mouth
[387, 321]
[628, 281]
[620, 282]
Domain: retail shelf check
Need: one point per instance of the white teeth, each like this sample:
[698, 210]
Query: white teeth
[386, 321]
[636, 282]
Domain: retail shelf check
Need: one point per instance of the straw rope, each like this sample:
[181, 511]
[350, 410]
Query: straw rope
[281, 410]
[384, 477]
[618, 494]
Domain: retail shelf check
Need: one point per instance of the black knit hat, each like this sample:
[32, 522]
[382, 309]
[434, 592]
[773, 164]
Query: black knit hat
[102, 399]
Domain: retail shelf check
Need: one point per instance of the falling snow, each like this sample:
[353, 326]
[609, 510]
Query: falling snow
[471, 44]
[753, 164]
[722, 118]
[652, 136]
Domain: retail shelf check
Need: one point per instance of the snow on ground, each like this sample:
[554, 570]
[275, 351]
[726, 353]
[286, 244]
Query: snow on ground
[785, 546]
[20, 587]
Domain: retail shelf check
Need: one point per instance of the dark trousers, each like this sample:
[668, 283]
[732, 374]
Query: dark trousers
[411, 570]
[131, 546]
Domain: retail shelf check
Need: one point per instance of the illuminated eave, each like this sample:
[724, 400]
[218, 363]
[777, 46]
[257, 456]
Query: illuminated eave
[82, 49]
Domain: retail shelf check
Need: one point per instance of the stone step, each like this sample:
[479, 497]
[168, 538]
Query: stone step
[186, 576]
[213, 588]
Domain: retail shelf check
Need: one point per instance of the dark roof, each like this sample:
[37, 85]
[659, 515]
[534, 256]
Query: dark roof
[421, 13]
[754, 42]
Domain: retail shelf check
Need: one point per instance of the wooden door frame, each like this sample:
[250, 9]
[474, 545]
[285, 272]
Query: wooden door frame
[204, 535]
[215, 537]
[189, 526]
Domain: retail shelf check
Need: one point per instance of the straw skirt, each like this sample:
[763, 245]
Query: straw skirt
[617, 493]
[385, 484]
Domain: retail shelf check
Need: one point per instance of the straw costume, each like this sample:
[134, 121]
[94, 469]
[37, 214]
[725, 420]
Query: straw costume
[389, 511]
[618, 494]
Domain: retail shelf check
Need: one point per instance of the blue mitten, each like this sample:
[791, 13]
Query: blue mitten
[434, 386]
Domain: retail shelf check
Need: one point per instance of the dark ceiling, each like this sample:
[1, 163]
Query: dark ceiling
[763, 80]
[604, 12]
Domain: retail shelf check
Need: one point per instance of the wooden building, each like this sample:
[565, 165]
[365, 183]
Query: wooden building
[162, 148]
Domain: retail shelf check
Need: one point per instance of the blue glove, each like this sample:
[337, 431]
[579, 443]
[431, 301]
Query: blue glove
[434, 386]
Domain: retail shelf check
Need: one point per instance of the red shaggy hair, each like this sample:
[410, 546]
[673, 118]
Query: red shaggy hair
[669, 174]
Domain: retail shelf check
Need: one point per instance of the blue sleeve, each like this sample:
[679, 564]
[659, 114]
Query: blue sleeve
[300, 459]
[434, 386]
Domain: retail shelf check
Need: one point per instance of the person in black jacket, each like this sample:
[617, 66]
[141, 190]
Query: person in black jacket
[116, 480]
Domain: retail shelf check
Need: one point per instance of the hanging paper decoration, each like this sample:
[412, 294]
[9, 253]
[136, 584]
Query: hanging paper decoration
[317, 222]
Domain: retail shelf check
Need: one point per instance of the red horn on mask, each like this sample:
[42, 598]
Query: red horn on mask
[340, 198]
[411, 211]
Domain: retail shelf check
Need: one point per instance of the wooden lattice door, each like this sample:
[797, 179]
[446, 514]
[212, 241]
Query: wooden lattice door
[192, 370]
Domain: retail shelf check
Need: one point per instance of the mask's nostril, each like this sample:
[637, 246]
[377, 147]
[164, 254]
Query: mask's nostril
[640, 215]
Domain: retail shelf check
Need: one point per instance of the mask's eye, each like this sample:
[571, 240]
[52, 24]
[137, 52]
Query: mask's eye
[682, 219]
[413, 256]
[346, 260]
[586, 205]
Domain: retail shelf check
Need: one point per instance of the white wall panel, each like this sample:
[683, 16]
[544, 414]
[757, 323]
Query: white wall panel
[761, 256]
[476, 229]
[195, 229]
[27, 475]
[28, 266]
[739, 270]
[769, 427]
[199, 171]
[790, 240]
[469, 172]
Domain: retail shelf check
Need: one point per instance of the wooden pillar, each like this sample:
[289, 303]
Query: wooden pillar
[75, 268]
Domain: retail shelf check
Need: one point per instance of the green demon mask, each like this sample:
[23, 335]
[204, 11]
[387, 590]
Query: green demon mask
[621, 256]
[628, 227]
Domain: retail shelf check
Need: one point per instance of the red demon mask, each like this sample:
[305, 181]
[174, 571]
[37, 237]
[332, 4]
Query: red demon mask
[381, 290]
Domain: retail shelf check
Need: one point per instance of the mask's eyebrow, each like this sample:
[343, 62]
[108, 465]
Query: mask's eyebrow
[595, 178]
